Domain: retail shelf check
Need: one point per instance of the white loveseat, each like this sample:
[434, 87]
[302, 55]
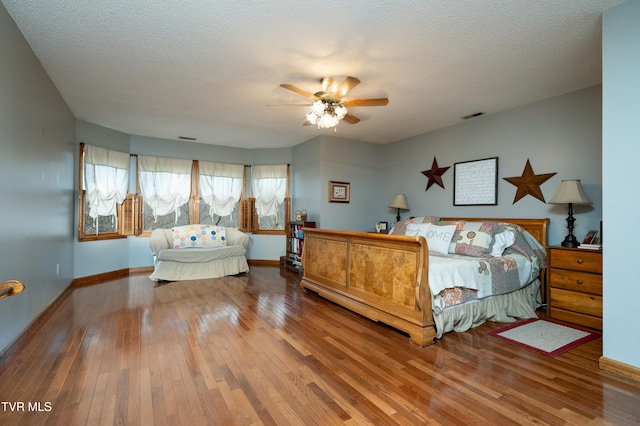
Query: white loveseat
[194, 252]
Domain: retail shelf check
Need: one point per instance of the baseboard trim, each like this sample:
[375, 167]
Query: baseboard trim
[258, 262]
[621, 368]
[34, 325]
[112, 275]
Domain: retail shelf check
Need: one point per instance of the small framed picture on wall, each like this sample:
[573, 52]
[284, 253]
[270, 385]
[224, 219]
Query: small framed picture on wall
[339, 192]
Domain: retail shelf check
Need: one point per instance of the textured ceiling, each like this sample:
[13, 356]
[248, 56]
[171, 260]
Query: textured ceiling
[210, 70]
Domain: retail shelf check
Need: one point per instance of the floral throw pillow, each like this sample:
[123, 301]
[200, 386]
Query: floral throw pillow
[475, 238]
[199, 236]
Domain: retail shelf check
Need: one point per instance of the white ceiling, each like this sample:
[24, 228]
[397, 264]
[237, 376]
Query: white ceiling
[210, 70]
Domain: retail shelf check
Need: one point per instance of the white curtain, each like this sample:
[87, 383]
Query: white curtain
[269, 186]
[165, 183]
[221, 186]
[106, 181]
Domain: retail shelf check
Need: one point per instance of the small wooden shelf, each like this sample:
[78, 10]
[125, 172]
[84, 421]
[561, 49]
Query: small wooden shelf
[295, 244]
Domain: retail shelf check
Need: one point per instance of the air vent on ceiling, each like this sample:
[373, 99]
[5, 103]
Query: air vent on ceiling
[477, 114]
[186, 138]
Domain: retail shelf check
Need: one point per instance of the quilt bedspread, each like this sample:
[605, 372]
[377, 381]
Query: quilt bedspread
[457, 279]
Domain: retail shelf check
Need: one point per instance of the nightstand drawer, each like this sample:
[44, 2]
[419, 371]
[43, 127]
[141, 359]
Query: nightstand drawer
[577, 318]
[577, 302]
[577, 260]
[577, 281]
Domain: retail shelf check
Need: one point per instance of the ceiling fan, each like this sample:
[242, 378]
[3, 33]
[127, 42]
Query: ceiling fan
[328, 106]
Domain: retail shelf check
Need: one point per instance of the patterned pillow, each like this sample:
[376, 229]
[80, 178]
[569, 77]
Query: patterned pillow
[199, 236]
[475, 238]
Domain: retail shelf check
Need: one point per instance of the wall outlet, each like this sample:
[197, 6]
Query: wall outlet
[58, 269]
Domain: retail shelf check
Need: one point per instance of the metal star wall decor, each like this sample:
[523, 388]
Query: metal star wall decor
[529, 183]
[435, 174]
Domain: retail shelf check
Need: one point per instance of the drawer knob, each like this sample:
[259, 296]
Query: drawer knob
[579, 282]
[580, 261]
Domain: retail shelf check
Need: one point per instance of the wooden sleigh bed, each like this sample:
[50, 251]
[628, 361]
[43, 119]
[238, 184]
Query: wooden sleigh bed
[386, 278]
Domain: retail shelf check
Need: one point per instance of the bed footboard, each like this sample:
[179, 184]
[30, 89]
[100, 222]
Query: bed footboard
[382, 277]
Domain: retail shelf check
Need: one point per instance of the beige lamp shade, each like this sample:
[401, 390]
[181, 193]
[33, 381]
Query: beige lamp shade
[570, 192]
[399, 202]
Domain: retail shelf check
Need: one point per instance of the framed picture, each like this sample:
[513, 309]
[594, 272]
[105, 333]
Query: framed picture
[339, 192]
[382, 227]
[475, 183]
[591, 237]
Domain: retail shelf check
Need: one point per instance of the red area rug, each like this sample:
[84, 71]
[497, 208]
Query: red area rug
[544, 336]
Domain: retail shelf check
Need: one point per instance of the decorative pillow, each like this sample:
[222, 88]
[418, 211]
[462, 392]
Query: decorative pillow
[417, 229]
[438, 237]
[475, 238]
[400, 228]
[199, 236]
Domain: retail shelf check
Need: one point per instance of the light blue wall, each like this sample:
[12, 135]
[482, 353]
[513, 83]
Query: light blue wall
[325, 159]
[37, 191]
[620, 153]
[305, 179]
[559, 135]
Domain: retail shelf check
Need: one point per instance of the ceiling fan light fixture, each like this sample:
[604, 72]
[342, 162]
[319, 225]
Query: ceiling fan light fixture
[312, 117]
[318, 107]
[328, 106]
[326, 113]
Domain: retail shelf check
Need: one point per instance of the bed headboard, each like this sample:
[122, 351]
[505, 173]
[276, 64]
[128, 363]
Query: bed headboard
[536, 227]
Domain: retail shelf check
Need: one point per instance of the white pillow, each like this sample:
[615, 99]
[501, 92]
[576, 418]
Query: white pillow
[417, 229]
[501, 241]
[438, 237]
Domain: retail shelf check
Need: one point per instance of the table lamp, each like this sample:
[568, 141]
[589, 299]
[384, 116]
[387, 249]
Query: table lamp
[570, 192]
[399, 202]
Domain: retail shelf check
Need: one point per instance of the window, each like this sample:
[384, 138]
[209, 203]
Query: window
[173, 192]
[165, 185]
[220, 188]
[103, 180]
[270, 189]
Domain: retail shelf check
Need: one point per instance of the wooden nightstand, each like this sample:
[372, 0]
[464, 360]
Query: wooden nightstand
[574, 286]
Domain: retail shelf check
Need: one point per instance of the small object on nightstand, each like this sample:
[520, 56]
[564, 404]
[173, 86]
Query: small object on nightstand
[574, 286]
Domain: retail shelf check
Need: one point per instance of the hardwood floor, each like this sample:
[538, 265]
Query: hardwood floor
[255, 349]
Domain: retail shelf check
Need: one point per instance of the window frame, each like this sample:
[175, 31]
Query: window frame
[287, 211]
[82, 208]
[194, 197]
[130, 213]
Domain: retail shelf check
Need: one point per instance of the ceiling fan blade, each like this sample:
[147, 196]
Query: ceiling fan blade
[366, 102]
[351, 119]
[327, 83]
[322, 94]
[297, 90]
[304, 105]
[346, 86]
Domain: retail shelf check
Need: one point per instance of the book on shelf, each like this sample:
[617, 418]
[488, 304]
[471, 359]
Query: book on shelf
[591, 246]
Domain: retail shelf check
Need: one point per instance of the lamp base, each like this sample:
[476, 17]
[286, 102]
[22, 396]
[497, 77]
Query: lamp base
[570, 241]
